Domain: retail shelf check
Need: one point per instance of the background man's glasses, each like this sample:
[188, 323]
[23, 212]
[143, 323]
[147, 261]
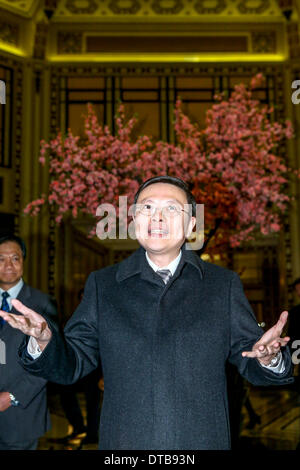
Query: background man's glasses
[170, 211]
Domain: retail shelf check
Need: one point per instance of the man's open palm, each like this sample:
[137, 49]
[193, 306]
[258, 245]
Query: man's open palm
[30, 323]
[270, 343]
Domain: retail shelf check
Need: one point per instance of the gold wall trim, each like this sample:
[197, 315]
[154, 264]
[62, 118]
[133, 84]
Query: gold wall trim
[166, 58]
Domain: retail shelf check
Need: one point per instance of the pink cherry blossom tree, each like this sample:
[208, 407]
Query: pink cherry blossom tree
[233, 166]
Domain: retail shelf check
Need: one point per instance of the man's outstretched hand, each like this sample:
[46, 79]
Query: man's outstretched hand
[5, 401]
[30, 323]
[270, 343]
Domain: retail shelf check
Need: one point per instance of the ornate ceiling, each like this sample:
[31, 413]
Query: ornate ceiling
[157, 8]
[101, 10]
[191, 30]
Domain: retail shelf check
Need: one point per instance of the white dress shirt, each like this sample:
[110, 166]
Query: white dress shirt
[172, 266]
[13, 292]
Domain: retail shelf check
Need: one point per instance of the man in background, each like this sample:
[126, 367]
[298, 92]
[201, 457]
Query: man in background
[23, 402]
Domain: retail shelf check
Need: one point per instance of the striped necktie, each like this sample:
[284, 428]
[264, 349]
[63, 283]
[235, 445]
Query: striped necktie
[165, 274]
[4, 306]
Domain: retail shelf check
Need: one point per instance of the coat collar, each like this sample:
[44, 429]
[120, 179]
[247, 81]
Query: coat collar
[23, 295]
[137, 264]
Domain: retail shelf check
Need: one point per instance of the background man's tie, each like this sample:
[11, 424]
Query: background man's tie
[4, 306]
[165, 274]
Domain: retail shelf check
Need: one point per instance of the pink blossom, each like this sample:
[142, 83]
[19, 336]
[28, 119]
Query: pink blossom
[233, 164]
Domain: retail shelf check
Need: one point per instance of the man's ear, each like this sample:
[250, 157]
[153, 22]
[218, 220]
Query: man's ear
[190, 226]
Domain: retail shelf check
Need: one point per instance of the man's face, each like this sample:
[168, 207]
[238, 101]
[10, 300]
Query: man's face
[163, 233]
[11, 264]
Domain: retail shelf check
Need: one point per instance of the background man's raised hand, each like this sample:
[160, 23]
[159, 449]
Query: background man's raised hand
[30, 323]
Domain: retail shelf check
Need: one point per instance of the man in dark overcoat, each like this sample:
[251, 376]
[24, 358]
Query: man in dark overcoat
[164, 324]
[24, 416]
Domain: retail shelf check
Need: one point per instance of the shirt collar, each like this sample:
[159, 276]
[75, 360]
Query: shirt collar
[172, 266]
[14, 291]
[137, 263]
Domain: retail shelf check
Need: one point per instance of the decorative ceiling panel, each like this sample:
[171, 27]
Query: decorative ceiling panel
[9, 33]
[118, 9]
[81, 27]
[21, 7]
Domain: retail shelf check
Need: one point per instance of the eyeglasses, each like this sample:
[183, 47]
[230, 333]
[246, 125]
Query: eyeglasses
[170, 211]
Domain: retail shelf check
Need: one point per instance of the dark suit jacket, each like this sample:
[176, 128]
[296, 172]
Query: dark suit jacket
[30, 419]
[163, 350]
[294, 325]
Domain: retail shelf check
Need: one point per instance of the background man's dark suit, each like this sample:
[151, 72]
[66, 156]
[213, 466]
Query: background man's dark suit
[30, 419]
[163, 350]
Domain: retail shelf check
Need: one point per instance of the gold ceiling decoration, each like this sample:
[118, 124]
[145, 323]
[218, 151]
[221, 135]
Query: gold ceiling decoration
[25, 8]
[9, 33]
[210, 8]
[253, 8]
[89, 7]
[142, 30]
[118, 7]
[165, 8]
[102, 10]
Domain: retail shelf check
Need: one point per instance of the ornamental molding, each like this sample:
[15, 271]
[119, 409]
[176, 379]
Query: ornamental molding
[40, 41]
[165, 8]
[25, 8]
[100, 11]
[119, 7]
[264, 43]
[260, 42]
[206, 8]
[9, 33]
[88, 70]
[89, 7]
[246, 7]
[174, 7]
[69, 43]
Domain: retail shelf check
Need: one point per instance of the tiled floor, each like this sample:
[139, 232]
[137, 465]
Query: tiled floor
[279, 411]
[278, 408]
[52, 440]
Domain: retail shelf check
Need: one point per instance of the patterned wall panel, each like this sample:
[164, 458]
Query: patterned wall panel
[293, 36]
[18, 113]
[12, 128]
[40, 40]
[9, 33]
[262, 42]
[69, 42]
[6, 76]
[54, 120]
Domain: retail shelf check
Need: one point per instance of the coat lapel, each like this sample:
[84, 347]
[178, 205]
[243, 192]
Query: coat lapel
[137, 264]
[23, 296]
